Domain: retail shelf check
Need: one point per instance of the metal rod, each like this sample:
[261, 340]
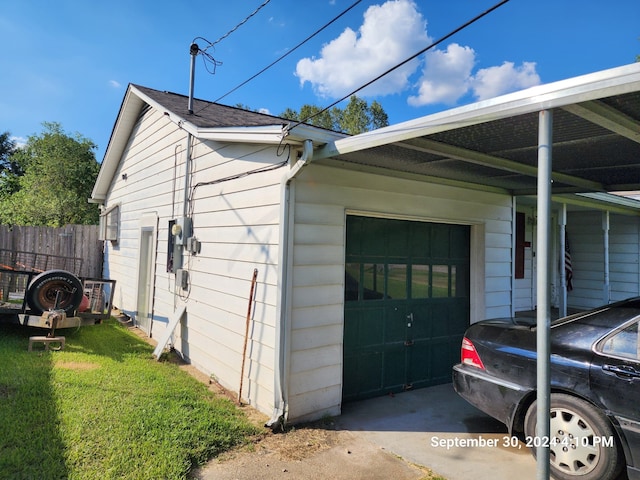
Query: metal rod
[562, 222]
[193, 51]
[607, 252]
[545, 141]
[246, 331]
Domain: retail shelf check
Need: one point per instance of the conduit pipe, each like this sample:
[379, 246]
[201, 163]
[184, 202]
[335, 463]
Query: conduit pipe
[285, 266]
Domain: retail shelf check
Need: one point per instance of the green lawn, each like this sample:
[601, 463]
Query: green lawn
[104, 408]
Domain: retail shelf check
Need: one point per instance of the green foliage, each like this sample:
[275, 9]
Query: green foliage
[7, 149]
[9, 169]
[357, 117]
[104, 408]
[51, 182]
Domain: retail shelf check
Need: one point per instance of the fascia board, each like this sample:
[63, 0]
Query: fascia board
[127, 117]
[270, 134]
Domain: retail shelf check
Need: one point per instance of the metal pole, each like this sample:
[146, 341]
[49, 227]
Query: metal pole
[193, 51]
[562, 221]
[545, 140]
[246, 331]
[607, 280]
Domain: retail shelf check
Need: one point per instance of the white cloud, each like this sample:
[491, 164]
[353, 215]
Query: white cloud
[493, 81]
[445, 77]
[21, 142]
[390, 33]
[114, 84]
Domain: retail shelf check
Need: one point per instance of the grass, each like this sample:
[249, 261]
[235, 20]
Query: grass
[104, 408]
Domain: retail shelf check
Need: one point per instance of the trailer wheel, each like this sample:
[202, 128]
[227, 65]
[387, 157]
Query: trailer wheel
[44, 288]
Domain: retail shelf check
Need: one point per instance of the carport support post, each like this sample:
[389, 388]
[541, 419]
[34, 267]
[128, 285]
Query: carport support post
[545, 140]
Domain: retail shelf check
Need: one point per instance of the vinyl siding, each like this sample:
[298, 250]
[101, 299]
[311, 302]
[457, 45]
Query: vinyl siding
[237, 223]
[624, 253]
[588, 258]
[323, 196]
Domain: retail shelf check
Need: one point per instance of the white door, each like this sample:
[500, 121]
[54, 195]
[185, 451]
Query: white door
[145, 273]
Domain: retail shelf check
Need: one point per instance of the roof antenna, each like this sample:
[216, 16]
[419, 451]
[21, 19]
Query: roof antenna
[193, 51]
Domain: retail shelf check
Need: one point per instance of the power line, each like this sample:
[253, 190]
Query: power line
[429, 47]
[289, 52]
[207, 56]
[239, 25]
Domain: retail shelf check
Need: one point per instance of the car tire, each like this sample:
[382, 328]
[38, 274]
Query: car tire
[574, 454]
[43, 289]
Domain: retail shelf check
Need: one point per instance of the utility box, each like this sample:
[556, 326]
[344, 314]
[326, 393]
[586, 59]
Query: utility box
[181, 230]
[182, 279]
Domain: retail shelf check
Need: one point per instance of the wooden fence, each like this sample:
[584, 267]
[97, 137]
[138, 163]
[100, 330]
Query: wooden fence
[79, 241]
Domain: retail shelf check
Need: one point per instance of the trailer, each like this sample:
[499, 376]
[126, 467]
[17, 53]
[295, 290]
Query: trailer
[47, 291]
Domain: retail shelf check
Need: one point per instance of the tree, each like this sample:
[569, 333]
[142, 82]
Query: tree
[7, 148]
[379, 117]
[9, 169]
[55, 178]
[357, 117]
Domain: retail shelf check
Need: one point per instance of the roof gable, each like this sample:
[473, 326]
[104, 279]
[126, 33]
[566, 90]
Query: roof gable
[209, 121]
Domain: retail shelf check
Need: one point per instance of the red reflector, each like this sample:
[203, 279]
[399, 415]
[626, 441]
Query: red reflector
[469, 355]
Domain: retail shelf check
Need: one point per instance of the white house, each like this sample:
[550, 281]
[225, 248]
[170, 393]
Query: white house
[373, 252]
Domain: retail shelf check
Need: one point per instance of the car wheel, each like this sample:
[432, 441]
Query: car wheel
[46, 287]
[579, 440]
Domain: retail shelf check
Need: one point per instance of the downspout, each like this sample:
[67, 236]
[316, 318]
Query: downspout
[285, 266]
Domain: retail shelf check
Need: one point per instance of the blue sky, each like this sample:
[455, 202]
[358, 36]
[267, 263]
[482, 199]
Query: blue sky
[70, 61]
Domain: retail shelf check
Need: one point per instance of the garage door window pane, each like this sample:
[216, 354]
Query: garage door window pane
[373, 281]
[397, 281]
[420, 281]
[459, 281]
[440, 281]
[351, 282]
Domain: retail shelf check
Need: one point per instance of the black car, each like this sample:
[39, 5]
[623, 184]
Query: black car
[595, 387]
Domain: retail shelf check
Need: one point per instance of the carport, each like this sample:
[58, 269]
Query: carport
[572, 141]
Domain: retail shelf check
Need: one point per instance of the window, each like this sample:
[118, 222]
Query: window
[110, 223]
[625, 343]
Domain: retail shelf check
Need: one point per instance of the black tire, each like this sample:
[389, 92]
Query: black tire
[574, 455]
[43, 289]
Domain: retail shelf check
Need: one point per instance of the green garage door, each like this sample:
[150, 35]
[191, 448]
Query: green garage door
[406, 304]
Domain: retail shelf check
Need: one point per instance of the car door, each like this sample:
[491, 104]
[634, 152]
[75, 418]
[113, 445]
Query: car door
[615, 381]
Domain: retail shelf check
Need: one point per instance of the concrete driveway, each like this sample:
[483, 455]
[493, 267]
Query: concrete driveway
[391, 438]
[436, 428]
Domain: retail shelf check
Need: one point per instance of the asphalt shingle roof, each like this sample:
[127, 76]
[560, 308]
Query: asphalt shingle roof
[208, 114]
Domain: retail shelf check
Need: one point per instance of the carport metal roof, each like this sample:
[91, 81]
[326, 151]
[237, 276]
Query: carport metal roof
[493, 144]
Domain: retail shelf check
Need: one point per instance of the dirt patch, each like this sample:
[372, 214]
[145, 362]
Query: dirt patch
[6, 391]
[76, 365]
[294, 444]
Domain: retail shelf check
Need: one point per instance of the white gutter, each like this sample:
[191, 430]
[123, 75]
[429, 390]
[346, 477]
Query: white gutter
[285, 267]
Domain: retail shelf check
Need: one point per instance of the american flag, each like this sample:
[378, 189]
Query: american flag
[568, 268]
